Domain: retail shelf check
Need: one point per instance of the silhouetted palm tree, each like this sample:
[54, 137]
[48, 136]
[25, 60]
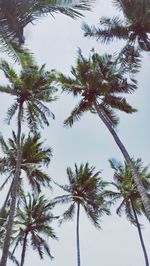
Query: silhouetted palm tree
[84, 190]
[34, 157]
[131, 202]
[32, 225]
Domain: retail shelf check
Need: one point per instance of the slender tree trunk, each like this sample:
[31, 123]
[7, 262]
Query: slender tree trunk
[137, 180]
[77, 232]
[24, 249]
[140, 235]
[14, 195]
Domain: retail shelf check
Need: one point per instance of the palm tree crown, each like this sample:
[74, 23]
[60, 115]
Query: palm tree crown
[100, 79]
[125, 185]
[32, 221]
[85, 188]
[135, 27]
[34, 157]
[33, 87]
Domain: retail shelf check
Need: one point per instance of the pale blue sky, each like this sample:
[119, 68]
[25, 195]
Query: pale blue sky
[55, 42]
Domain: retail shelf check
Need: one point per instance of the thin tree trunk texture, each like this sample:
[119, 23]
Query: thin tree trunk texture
[24, 249]
[77, 232]
[14, 195]
[137, 180]
[140, 235]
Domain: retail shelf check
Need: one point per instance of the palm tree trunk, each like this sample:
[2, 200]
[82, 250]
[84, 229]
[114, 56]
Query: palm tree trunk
[140, 235]
[14, 195]
[77, 232]
[137, 180]
[24, 249]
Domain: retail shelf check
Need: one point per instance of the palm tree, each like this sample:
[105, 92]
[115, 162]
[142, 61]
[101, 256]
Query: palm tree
[84, 190]
[131, 202]
[16, 14]
[134, 28]
[32, 225]
[34, 157]
[31, 89]
[98, 80]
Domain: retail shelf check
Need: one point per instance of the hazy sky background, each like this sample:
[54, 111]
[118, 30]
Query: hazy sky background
[55, 42]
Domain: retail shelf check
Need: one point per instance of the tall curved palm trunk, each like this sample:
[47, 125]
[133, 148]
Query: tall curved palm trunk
[141, 190]
[14, 194]
[77, 232]
[140, 235]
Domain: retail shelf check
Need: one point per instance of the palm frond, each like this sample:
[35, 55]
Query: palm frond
[77, 113]
[31, 118]
[93, 216]
[67, 7]
[130, 59]
[6, 89]
[70, 175]
[5, 182]
[121, 207]
[11, 111]
[9, 72]
[129, 213]
[68, 214]
[33, 151]
[66, 188]
[13, 258]
[109, 29]
[119, 103]
[112, 195]
[4, 145]
[36, 244]
[47, 249]
[37, 114]
[69, 85]
[63, 199]
[37, 177]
